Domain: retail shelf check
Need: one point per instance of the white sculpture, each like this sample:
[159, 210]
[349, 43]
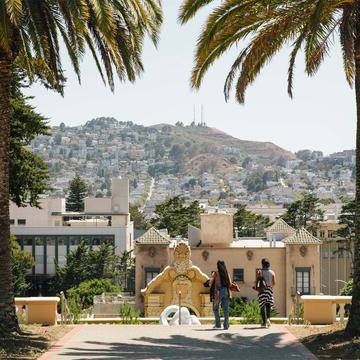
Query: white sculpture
[186, 318]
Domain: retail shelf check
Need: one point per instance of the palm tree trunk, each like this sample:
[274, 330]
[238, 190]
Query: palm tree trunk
[8, 319]
[353, 326]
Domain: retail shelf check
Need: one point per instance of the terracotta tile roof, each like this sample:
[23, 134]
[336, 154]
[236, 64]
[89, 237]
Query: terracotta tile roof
[280, 226]
[153, 236]
[302, 236]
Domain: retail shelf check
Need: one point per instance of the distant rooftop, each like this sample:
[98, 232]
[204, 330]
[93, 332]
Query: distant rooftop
[153, 236]
[302, 236]
[280, 226]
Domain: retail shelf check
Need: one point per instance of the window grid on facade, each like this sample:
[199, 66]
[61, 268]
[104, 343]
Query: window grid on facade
[303, 281]
[238, 275]
[21, 221]
[46, 249]
[151, 273]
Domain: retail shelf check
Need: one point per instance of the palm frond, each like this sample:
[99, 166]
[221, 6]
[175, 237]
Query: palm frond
[189, 8]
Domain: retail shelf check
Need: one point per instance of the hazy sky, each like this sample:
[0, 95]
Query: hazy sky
[321, 116]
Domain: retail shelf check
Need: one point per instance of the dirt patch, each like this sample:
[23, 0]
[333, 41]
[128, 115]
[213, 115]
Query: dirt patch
[30, 346]
[328, 342]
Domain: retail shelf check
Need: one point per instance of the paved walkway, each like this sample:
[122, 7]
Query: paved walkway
[159, 342]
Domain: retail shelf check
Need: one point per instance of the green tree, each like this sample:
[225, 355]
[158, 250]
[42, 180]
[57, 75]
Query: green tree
[347, 218]
[126, 270]
[83, 264]
[85, 291]
[137, 217]
[175, 216]
[304, 212]
[21, 262]
[77, 193]
[255, 182]
[112, 30]
[265, 27]
[28, 172]
[249, 223]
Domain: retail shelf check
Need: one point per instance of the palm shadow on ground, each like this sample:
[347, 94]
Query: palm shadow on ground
[227, 345]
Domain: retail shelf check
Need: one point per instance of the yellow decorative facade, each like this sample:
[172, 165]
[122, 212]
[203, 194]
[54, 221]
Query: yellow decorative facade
[182, 277]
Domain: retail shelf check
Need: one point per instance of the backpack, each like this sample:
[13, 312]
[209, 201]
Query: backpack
[260, 284]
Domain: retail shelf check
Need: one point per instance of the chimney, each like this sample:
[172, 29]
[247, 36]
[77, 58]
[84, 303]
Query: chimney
[217, 228]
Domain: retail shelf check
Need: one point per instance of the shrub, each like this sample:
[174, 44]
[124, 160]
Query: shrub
[347, 289]
[74, 305]
[250, 311]
[84, 293]
[236, 307]
[128, 314]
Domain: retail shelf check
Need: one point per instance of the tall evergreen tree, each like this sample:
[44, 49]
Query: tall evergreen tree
[28, 172]
[77, 193]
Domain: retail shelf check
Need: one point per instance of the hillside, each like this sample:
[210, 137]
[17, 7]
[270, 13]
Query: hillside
[211, 140]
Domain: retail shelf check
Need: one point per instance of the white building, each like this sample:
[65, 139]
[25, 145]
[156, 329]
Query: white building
[51, 232]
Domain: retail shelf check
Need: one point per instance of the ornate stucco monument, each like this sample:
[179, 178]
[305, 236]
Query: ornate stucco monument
[182, 277]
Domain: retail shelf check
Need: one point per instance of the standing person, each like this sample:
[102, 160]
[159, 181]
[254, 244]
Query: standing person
[265, 281]
[222, 282]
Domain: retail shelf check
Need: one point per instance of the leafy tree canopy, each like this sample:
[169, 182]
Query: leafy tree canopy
[84, 264]
[175, 216]
[304, 212]
[84, 293]
[21, 262]
[249, 223]
[137, 217]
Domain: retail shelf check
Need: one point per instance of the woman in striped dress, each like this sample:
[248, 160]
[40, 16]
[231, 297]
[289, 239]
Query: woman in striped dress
[264, 283]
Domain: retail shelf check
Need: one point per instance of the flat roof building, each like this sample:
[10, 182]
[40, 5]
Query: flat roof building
[51, 232]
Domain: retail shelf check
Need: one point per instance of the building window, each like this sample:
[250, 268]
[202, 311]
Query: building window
[322, 234]
[303, 280]
[331, 234]
[74, 240]
[238, 275]
[62, 240]
[39, 241]
[27, 241]
[151, 273]
[87, 240]
[50, 240]
[21, 221]
[12, 222]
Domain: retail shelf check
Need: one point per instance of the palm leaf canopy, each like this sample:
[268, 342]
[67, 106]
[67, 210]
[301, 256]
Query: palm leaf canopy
[263, 27]
[31, 32]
